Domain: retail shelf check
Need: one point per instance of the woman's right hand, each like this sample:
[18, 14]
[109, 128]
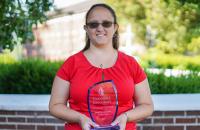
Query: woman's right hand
[86, 123]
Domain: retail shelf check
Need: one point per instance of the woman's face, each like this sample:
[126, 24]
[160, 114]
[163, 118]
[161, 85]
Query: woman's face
[100, 34]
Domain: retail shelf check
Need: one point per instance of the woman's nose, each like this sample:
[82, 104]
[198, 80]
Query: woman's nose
[100, 27]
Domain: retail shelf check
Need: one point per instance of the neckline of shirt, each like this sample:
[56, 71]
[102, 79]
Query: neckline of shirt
[96, 67]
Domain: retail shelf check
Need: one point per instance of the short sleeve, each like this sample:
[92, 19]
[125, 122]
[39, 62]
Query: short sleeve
[138, 73]
[65, 71]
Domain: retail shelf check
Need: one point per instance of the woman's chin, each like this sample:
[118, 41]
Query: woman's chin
[101, 44]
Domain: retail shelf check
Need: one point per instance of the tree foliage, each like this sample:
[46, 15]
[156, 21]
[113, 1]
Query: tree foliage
[17, 18]
[174, 22]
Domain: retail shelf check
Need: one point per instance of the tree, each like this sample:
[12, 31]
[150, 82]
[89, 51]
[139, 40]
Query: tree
[17, 18]
[176, 22]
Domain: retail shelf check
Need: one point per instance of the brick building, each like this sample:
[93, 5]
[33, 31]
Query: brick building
[62, 35]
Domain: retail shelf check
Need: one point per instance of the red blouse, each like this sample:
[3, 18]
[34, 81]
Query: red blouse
[125, 73]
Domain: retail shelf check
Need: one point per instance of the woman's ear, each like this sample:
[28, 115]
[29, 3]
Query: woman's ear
[85, 27]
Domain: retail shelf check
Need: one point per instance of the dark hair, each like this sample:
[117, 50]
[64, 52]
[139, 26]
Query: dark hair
[115, 41]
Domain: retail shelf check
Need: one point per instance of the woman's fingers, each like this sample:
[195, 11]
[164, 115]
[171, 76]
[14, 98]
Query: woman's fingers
[121, 121]
[93, 124]
[115, 122]
[87, 123]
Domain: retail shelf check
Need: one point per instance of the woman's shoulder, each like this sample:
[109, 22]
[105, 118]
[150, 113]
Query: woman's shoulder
[74, 56]
[71, 60]
[126, 57]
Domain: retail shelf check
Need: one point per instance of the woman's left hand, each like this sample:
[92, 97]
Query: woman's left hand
[121, 121]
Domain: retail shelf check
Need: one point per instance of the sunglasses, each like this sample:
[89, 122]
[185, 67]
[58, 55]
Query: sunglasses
[105, 24]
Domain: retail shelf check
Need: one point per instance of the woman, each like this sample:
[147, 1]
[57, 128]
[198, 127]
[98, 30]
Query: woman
[100, 59]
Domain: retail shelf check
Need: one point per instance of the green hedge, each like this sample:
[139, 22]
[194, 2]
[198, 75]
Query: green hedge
[161, 84]
[28, 76]
[170, 61]
[7, 58]
[36, 76]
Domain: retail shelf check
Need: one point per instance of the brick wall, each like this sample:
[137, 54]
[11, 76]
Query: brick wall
[172, 120]
[41, 120]
[29, 120]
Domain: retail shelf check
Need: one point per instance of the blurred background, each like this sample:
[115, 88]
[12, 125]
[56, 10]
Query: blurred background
[37, 36]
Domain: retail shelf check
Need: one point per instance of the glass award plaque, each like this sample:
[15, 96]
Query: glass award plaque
[103, 104]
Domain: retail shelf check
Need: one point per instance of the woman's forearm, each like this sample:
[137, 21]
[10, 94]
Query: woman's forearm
[140, 112]
[61, 111]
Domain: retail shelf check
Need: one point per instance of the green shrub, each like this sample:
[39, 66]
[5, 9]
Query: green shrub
[194, 46]
[28, 76]
[171, 61]
[6, 58]
[161, 84]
